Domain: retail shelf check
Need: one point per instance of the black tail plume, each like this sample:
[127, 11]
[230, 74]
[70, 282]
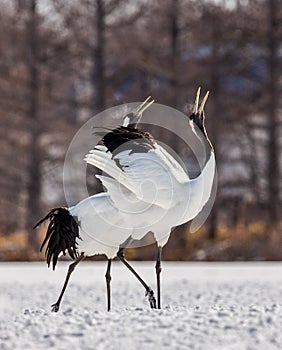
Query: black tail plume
[61, 235]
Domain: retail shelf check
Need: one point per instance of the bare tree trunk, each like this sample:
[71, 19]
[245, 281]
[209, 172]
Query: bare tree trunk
[180, 241]
[216, 112]
[98, 70]
[34, 175]
[174, 43]
[273, 90]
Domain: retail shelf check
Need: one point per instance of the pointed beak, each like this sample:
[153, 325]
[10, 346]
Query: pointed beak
[142, 104]
[137, 114]
[201, 109]
[196, 109]
[142, 108]
[196, 103]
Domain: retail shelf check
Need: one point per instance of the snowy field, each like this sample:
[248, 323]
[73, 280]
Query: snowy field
[205, 306]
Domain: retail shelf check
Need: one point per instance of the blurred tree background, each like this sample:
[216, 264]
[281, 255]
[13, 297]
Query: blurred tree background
[63, 62]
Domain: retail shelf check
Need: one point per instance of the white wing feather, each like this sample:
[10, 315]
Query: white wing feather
[151, 176]
[125, 200]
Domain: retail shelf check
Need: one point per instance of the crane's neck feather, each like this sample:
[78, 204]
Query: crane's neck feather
[200, 188]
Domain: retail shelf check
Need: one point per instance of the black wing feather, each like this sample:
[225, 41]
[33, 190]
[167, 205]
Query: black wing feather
[124, 138]
[61, 235]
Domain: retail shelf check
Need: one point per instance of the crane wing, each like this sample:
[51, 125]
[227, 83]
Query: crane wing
[124, 199]
[134, 160]
[151, 176]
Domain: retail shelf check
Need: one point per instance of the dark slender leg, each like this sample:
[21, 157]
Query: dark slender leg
[149, 291]
[56, 306]
[108, 282]
[158, 272]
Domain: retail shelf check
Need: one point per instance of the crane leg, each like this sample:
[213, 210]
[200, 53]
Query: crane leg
[158, 272]
[56, 306]
[108, 282]
[149, 291]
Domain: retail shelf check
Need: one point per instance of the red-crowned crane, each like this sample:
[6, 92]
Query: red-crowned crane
[93, 226]
[134, 160]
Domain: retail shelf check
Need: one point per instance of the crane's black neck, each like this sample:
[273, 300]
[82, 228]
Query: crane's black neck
[199, 129]
[202, 135]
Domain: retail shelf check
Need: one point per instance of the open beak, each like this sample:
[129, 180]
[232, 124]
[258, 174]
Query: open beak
[196, 108]
[144, 105]
[137, 114]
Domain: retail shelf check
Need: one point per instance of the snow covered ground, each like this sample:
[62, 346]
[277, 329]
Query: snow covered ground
[234, 306]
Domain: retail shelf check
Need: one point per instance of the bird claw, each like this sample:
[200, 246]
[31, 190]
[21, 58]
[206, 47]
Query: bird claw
[150, 294]
[55, 307]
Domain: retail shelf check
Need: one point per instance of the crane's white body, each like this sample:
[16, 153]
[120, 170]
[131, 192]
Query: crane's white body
[147, 190]
[101, 226]
[169, 199]
[155, 189]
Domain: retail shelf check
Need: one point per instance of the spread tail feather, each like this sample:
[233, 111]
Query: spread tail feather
[61, 235]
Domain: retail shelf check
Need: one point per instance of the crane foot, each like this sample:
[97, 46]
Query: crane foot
[151, 298]
[55, 307]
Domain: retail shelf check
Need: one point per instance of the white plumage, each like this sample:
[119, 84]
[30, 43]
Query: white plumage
[174, 198]
[93, 226]
[102, 227]
[147, 190]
